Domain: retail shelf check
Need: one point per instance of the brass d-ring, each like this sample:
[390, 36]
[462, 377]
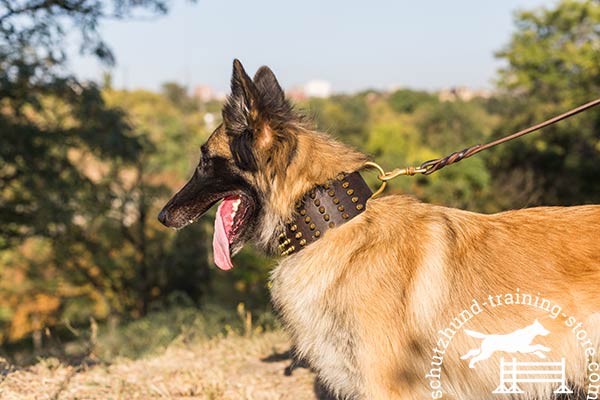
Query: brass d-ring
[380, 176]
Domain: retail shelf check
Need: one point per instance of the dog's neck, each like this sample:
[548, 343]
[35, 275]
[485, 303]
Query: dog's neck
[322, 208]
[316, 160]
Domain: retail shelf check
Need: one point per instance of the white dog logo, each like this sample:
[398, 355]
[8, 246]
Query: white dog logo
[517, 341]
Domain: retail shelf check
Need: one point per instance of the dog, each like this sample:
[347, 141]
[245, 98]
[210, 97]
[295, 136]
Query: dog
[517, 341]
[367, 295]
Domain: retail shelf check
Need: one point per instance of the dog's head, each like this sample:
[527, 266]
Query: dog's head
[539, 329]
[259, 161]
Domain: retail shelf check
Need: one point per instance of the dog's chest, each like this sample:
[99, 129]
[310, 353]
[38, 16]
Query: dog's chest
[320, 331]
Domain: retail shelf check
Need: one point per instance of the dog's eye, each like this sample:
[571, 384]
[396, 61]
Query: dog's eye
[204, 158]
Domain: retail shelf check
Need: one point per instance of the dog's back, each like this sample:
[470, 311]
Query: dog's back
[366, 303]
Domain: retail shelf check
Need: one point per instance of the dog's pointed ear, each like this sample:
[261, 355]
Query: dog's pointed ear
[241, 117]
[242, 104]
[255, 115]
[268, 87]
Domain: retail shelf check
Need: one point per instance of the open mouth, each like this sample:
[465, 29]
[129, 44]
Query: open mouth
[231, 224]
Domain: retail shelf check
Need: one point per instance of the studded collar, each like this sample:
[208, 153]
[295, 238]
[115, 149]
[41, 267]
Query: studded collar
[324, 207]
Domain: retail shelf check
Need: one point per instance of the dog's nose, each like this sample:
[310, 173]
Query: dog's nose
[163, 216]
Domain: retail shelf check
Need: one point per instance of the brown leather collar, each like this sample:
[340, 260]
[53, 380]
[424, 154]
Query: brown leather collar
[324, 207]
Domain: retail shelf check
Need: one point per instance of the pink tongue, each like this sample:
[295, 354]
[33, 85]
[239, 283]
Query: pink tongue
[221, 251]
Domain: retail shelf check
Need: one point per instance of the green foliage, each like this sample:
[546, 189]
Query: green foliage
[178, 96]
[553, 65]
[345, 117]
[178, 323]
[62, 157]
[407, 100]
[84, 171]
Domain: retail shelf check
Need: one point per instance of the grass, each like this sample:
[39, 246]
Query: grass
[178, 353]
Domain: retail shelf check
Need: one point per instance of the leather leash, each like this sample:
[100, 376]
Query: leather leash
[431, 166]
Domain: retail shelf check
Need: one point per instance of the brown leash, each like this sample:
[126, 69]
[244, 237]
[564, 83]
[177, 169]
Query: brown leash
[431, 166]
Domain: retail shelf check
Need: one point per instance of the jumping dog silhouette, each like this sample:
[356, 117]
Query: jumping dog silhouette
[518, 341]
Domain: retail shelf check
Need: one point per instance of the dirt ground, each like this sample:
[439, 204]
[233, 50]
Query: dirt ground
[224, 368]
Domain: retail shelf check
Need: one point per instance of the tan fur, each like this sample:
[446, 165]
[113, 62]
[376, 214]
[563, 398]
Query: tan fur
[364, 303]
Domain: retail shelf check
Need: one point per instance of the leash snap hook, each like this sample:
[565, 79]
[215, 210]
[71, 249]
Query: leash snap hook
[382, 177]
[387, 176]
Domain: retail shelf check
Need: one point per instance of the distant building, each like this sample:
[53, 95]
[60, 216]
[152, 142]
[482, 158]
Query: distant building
[296, 93]
[313, 88]
[317, 88]
[463, 93]
[207, 93]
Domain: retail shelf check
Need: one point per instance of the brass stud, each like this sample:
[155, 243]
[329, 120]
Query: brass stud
[321, 209]
[298, 205]
[331, 192]
[359, 206]
[294, 228]
[312, 227]
[340, 208]
[326, 217]
[298, 235]
[336, 201]
[313, 195]
[340, 177]
[317, 202]
[307, 220]
[350, 192]
[288, 251]
[331, 224]
[355, 199]
[326, 186]
[281, 236]
[303, 242]
[345, 185]
[317, 233]
[345, 215]
[302, 212]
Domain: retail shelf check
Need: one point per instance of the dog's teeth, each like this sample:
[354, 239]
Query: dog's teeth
[235, 205]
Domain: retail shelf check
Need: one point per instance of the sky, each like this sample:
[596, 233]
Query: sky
[355, 45]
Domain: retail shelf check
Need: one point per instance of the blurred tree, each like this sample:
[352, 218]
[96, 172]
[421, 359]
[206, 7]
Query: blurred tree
[553, 64]
[59, 143]
[433, 130]
[343, 116]
[178, 95]
[165, 262]
[407, 100]
[38, 177]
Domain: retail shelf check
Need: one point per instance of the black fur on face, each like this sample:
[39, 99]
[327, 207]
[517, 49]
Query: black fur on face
[242, 151]
[213, 180]
[258, 128]
[257, 110]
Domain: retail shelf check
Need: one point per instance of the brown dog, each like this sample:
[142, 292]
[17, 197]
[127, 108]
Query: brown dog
[385, 296]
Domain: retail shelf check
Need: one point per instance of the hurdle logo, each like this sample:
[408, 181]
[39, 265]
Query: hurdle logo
[518, 341]
[514, 372]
